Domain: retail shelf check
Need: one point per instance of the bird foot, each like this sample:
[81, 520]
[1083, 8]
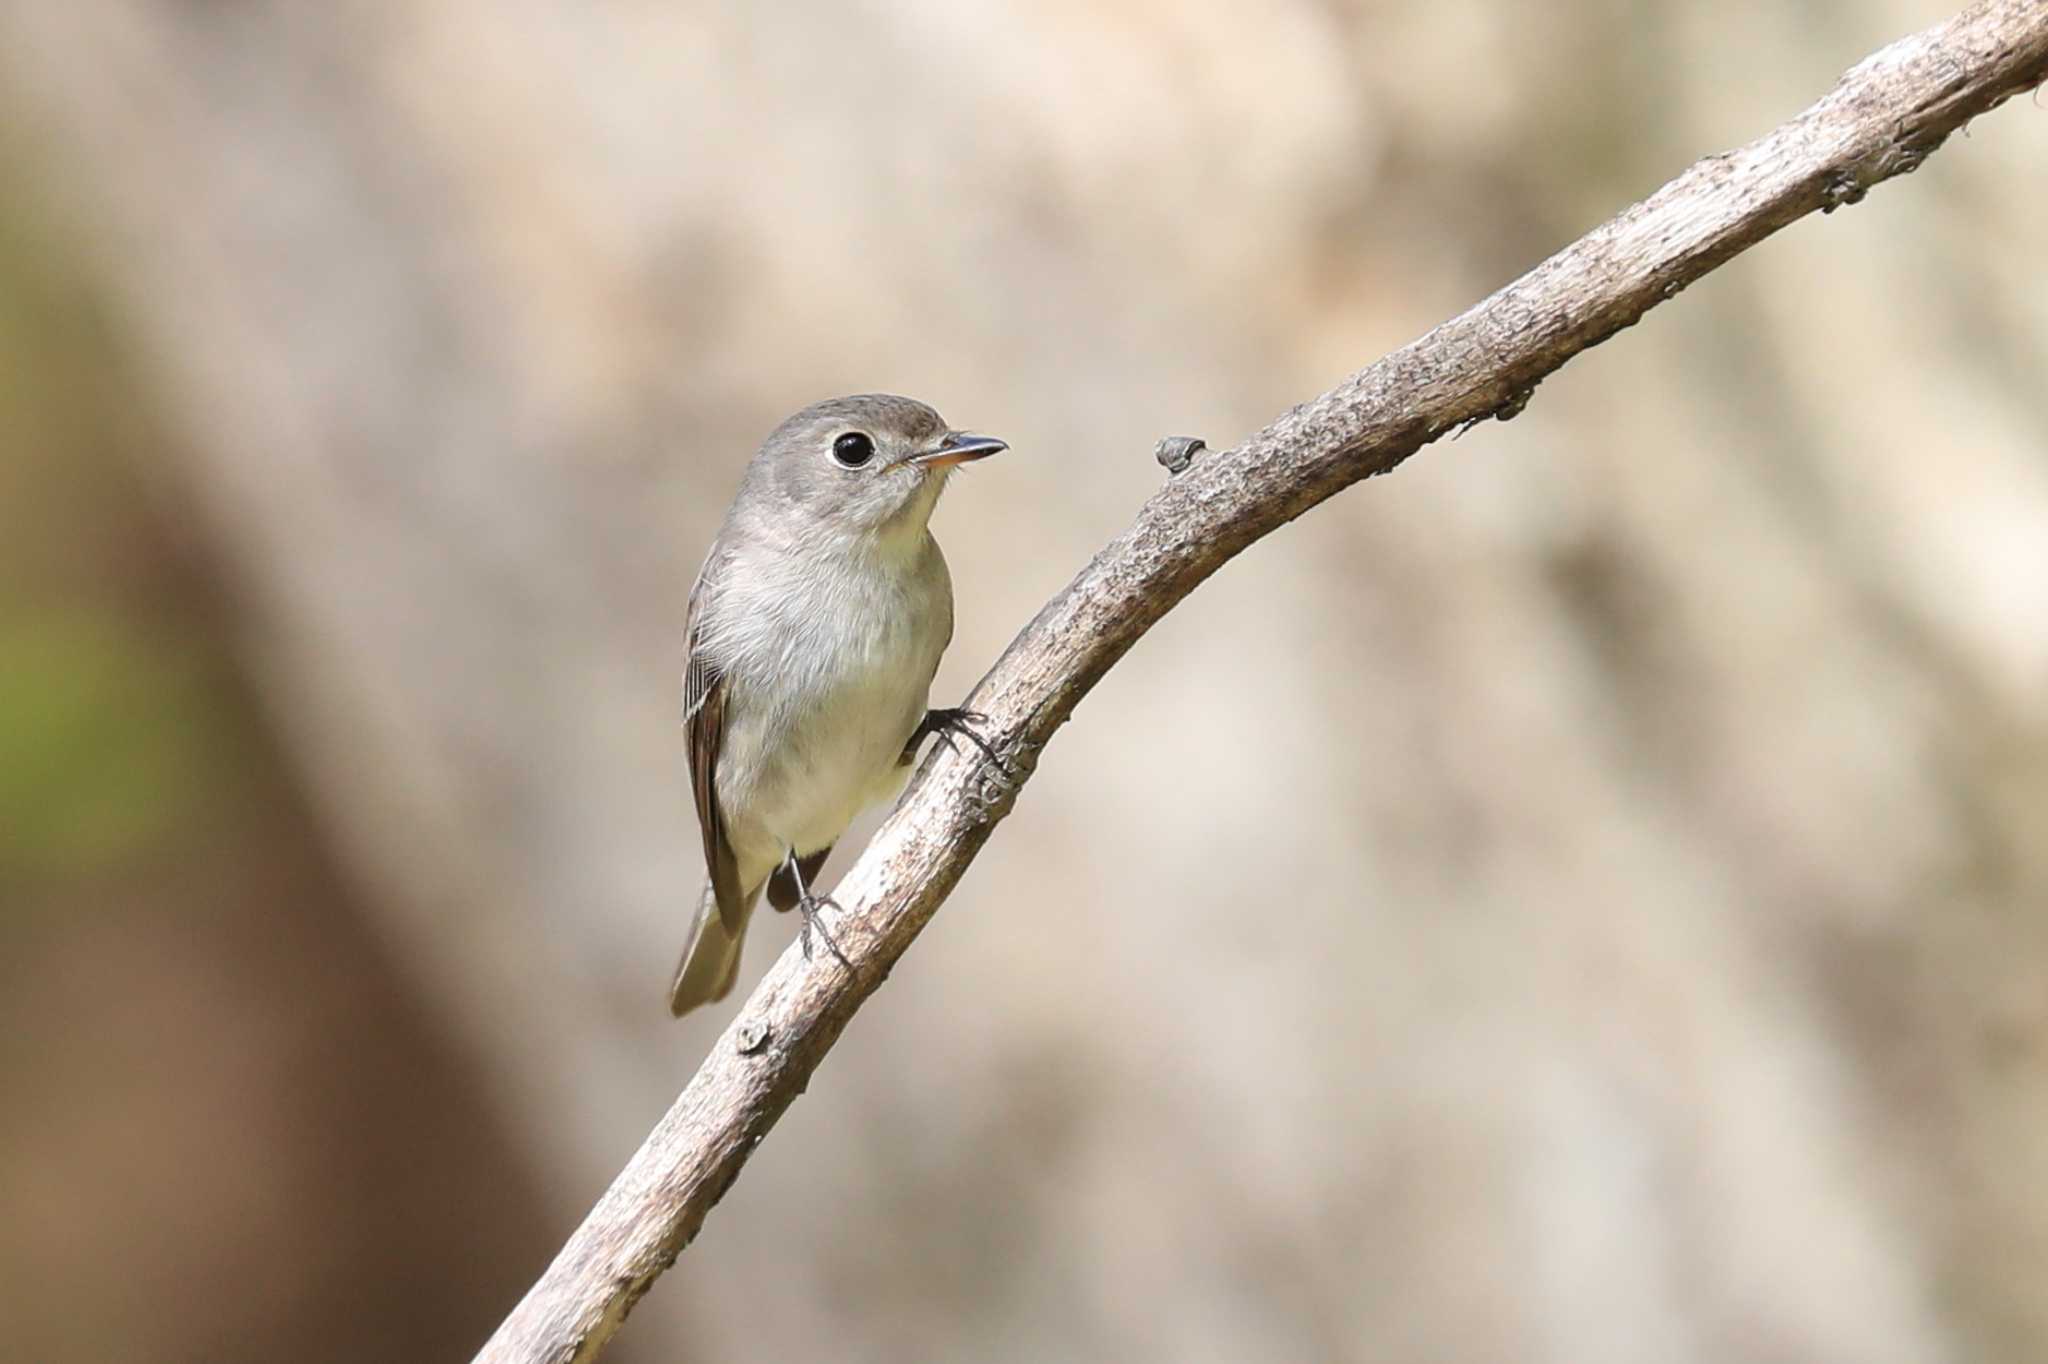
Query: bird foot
[946, 722]
[810, 910]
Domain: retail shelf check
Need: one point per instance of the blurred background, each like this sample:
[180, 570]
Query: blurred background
[1584, 898]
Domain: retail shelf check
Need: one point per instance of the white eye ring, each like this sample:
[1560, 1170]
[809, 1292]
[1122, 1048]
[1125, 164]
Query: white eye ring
[853, 449]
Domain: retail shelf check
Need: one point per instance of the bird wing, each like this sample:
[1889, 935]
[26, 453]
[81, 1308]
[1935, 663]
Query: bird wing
[704, 693]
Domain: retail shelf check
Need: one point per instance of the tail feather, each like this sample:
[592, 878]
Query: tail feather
[711, 958]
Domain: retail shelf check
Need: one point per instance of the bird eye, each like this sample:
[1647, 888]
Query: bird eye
[853, 449]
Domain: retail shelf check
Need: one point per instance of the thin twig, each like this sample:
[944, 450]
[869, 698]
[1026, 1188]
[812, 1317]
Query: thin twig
[1882, 119]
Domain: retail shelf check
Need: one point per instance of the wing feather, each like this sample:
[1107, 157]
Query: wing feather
[704, 695]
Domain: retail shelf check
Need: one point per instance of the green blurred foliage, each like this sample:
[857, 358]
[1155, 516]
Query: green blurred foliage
[114, 725]
[103, 741]
[210, 1074]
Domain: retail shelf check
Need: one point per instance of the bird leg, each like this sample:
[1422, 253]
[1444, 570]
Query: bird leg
[945, 723]
[809, 907]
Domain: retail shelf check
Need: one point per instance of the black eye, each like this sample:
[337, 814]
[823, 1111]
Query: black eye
[853, 449]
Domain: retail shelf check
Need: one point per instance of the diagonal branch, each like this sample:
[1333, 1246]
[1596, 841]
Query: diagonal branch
[1882, 119]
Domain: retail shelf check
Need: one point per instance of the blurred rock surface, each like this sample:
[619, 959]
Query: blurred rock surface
[1602, 918]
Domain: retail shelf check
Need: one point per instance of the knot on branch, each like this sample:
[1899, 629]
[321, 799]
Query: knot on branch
[1506, 410]
[1901, 156]
[1844, 187]
[993, 786]
[1178, 452]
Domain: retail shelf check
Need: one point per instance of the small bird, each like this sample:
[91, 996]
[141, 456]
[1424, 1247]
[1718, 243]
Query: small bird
[815, 627]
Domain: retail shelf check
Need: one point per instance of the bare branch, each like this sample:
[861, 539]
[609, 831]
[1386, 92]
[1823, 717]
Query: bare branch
[1882, 119]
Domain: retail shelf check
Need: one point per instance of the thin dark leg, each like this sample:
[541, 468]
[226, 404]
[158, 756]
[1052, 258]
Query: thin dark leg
[945, 723]
[808, 907]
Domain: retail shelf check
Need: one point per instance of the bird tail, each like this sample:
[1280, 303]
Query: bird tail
[711, 959]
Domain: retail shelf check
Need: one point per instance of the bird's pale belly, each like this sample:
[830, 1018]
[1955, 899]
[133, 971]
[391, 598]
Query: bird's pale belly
[814, 766]
[829, 770]
[827, 685]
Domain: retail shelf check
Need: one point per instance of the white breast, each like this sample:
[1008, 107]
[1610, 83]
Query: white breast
[829, 670]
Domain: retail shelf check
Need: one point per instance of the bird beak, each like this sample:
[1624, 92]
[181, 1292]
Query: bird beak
[958, 447]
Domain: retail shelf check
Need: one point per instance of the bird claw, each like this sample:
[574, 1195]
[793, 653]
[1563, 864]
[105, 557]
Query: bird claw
[959, 720]
[994, 787]
[810, 910]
